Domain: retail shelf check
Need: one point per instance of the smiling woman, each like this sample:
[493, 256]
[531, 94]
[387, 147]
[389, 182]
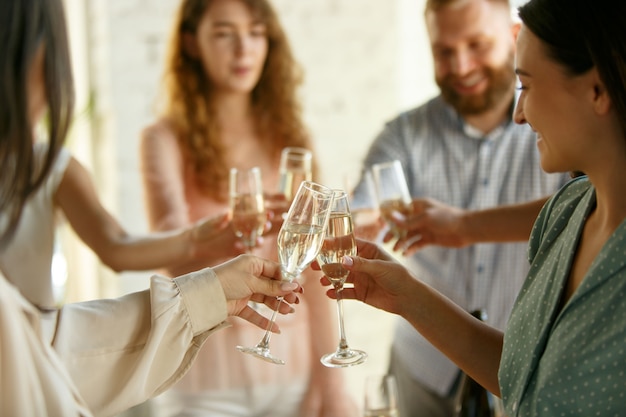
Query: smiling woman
[562, 352]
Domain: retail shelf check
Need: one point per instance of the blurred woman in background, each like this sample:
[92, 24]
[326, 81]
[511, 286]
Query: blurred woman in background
[230, 101]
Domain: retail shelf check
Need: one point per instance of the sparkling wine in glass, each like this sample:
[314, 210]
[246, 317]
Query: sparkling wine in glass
[299, 240]
[247, 208]
[381, 396]
[339, 242]
[296, 165]
[392, 192]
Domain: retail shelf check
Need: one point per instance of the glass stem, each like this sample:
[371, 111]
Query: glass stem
[343, 343]
[249, 244]
[265, 342]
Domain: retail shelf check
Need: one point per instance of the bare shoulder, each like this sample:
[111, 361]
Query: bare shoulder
[159, 143]
[160, 131]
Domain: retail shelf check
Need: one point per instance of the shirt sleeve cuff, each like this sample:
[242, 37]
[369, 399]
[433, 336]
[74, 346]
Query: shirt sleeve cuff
[204, 299]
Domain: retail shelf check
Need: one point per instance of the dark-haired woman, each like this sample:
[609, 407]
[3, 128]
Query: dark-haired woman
[103, 356]
[562, 353]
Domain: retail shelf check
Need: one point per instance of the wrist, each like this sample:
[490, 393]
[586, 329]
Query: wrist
[469, 232]
[190, 239]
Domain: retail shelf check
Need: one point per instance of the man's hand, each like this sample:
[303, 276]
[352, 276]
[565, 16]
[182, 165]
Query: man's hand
[430, 222]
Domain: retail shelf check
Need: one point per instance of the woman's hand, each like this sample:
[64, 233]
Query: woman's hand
[275, 205]
[249, 278]
[378, 280]
[214, 238]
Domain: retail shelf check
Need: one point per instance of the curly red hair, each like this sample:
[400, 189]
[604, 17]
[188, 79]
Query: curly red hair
[188, 104]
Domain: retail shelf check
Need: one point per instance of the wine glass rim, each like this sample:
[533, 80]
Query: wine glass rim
[251, 175]
[297, 152]
[253, 169]
[318, 188]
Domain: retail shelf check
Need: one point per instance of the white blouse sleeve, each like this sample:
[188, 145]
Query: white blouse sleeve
[123, 351]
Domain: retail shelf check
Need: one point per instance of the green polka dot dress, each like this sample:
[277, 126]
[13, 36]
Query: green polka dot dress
[569, 361]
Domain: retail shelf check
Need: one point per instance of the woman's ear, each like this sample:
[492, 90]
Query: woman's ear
[601, 100]
[190, 45]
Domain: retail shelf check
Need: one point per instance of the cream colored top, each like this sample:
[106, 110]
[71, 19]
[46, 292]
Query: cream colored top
[27, 261]
[102, 357]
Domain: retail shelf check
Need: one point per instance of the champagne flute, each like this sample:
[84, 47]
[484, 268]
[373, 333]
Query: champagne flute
[364, 208]
[392, 192]
[299, 241]
[247, 208]
[296, 165]
[381, 396]
[339, 242]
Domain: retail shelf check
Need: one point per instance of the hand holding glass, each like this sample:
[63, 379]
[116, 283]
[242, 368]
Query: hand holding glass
[339, 242]
[299, 241]
[247, 208]
[392, 192]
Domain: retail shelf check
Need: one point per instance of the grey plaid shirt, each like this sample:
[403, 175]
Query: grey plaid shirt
[445, 159]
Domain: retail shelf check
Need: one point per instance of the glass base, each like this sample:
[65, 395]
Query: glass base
[261, 353]
[344, 358]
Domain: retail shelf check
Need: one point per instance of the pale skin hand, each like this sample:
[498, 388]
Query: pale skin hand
[248, 278]
[384, 283]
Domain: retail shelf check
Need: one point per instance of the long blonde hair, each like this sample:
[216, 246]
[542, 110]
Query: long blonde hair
[189, 107]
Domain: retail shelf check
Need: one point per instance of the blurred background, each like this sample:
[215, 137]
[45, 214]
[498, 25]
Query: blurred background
[364, 62]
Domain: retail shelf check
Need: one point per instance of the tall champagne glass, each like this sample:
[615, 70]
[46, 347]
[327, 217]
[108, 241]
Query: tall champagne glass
[299, 241]
[339, 242]
[296, 165]
[247, 208]
[392, 192]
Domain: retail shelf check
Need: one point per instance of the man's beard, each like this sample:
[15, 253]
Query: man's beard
[501, 81]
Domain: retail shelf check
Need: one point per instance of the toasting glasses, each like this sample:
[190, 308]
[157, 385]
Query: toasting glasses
[299, 241]
[339, 242]
[246, 205]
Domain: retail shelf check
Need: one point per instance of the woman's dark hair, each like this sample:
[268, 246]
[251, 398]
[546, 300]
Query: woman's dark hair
[582, 34]
[26, 26]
